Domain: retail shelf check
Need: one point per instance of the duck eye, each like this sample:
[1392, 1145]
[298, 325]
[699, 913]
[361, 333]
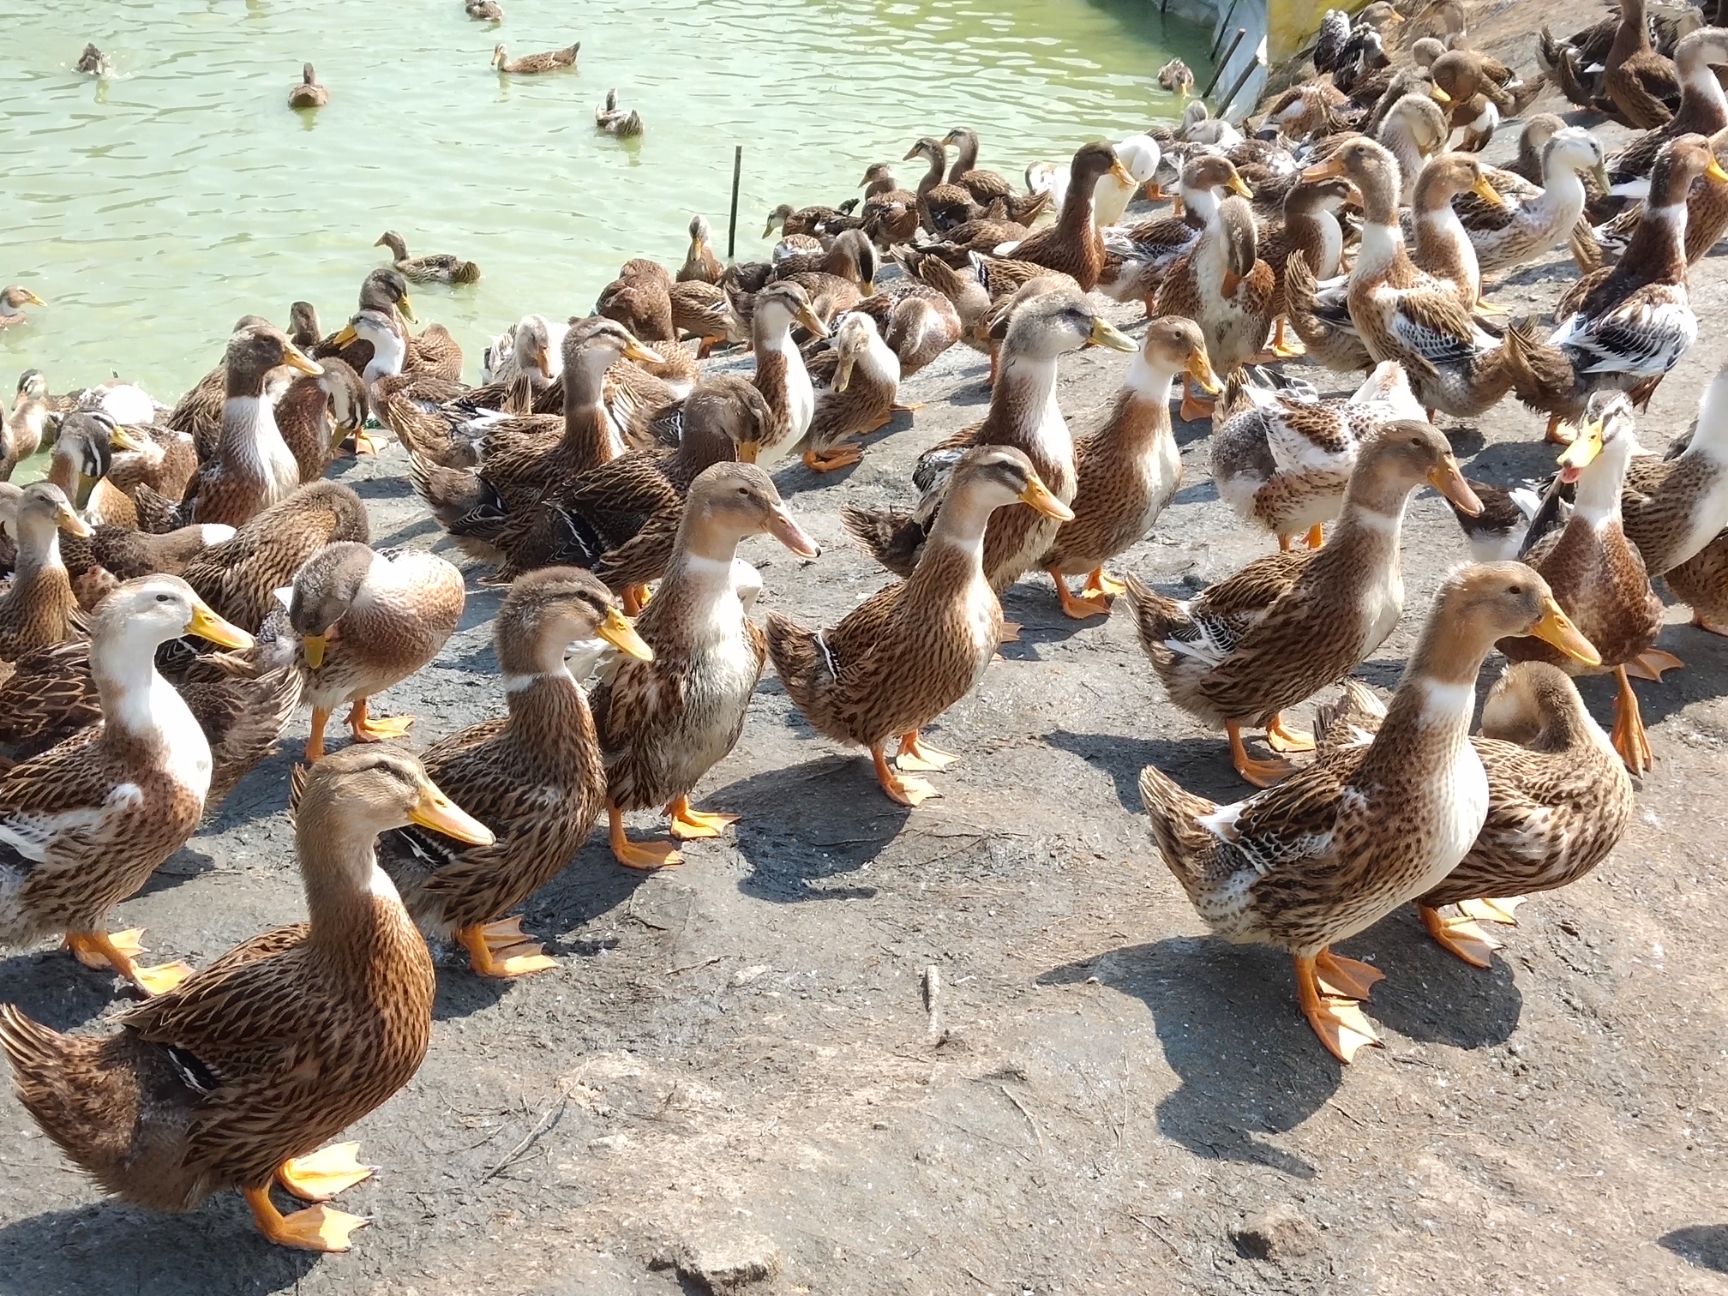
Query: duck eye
[1516, 589]
[162, 598]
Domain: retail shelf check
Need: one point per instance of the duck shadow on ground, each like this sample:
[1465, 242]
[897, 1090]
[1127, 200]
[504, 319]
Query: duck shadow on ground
[60, 992]
[1705, 1245]
[146, 1253]
[809, 823]
[1201, 765]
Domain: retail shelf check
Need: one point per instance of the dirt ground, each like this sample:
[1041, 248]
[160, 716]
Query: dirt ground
[734, 1071]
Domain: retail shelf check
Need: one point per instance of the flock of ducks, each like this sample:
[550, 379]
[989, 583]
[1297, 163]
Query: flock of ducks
[184, 579]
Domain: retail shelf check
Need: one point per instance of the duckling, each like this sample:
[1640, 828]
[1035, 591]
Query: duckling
[13, 300]
[84, 825]
[781, 375]
[1288, 625]
[253, 467]
[535, 779]
[700, 263]
[856, 381]
[440, 267]
[534, 64]
[93, 62]
[1176, 77]
[484, 10]
[40, 608]
[617, 121]
[1221, 283]
[234, 1079]
[1282, 460]
[1345, 841]
[663, 723]
[1127, 470]
[364, 621]
[309, 93]
[914, 648]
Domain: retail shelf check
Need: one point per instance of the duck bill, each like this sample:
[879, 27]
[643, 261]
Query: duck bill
[749, 451]
[1121, 175]
[1715, 172]
[1038, 498]
[73, 525]
[1230, 283]
[32, 298]
[543, 360]
[1239, 186]
[300, 362]
[1582, 452]
[1487, 192]
[438, 812]
[1327, 170]
[1200, 370]
[1438, 95]
[1446, 479]
[207, 625]
[407, 309]
[642, 353]
[346, 336]
[123, 441]
[313, 646]
[812, 321]
[1106, 334]
[917, 150]
[1600, 172]
[1556, 628]
[843, 370]
[768, 230]
[789, 533]
[617, 631]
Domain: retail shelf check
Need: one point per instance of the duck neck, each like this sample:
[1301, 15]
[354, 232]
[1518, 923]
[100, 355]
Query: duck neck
[1373, 513]
[1562, 197]
[587, 433]
[1025, 392]
[1147, 386]
[140, 709]
[548, 712]
[1075, 222]
[965, 157]
[1710, 440]
[1656, 252]
[1633, 34]
[1382, 250]
[933, 176]
[389, 354]
[1442, 246]
[1316, 231]
[251, 444]
[953, 557]
[1431, 710]
[354, 909]
[1703, 107]
[38, 548]
[1199, 205]
[1597, 503]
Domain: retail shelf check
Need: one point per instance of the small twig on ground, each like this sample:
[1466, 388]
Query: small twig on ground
[1021, 1108]
[934, 1028]
[548, 1119]
[1155, 1232]
[691, 967]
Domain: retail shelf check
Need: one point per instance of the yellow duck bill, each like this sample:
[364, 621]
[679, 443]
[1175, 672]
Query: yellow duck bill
[438, 812]
[617, 630]
[1556, 628]
[207, 625]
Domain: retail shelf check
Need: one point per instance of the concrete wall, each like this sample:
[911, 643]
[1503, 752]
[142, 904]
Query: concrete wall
[1222, 18]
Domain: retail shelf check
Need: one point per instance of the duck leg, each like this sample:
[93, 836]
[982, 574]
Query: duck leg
[369, 728]
[907, 791]
[1501, 909]
[315, 740]
[1337, 1020]
[914, 755]
[1282, 740]
[1628, 734]
[1459, 935]
[1316, 535]
[101, 951]
[1261, 773]
[689, 823]
[1555, 435]
[1194, 408]
[1649, 664]
[321, 1175]
[646, 856]
[1346, 978]
[1286, 543]
[1010, 632]
[1101, 584]
[1077, 608]
[1706, 624]
[317, 1228]
[502, 949]
[898, 408]
[634, 598]
[832, 460]
[1284, 348]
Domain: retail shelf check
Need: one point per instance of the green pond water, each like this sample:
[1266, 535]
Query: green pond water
[154, 207]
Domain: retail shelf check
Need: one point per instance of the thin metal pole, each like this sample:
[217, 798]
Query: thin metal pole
[1222, 28]
[1223, 63]
[1247, 71]
[732, 221]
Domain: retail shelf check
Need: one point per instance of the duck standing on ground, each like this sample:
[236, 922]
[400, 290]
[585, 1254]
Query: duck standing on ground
[664, 723]
[915, 648]
[309, 93]
[40, 608]
[856, 381]
[1073, 245]
[1342, 843]
[233, 1079]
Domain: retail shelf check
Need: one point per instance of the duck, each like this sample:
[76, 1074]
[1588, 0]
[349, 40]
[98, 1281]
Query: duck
[1414, 130]
[1523, 226]
[309, 93]
[253, 467]
[665, 722]
[521, 467]
[917, 322]
[1128, 468]
[1674, 508]
[913, 649]
[640, 299]
[303, 329]
[1221, 283]
[890, 213]
[988, 187]
[855, 381]
[1403, 314]
[1072, 245]
[361, 621]
[316, 415]
[812, 221]
[1441, 248]
[532, 347]
[384, 303]
[484, 10]
[700, 263]
[941, 205]
[1290, 624]
[1343, 842]
[1138, 257]
[1319, 315]
[1625, 328]
[534, 64]
[1703, 110]
[21, 429]
[240, 577]
[1282, 459]
[13, 299]
[39, 608]
[1024, 414]
[84, 825]
[1310, 226]
[93, 62]
[1559, 801]
[1639, 86]
[233, 1080]
[1706, 220]
[703, 311]
[835, 279]
[1141, 155]
[440, 267]
[781, 375]
[1597, 573]
[1176, 77]
[610, 118]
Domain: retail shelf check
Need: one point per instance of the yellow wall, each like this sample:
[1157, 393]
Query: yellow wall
[1290, 23]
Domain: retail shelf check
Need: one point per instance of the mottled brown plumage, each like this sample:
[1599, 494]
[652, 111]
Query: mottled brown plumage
[39, 608]
[1073, 245]
[253, 467]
